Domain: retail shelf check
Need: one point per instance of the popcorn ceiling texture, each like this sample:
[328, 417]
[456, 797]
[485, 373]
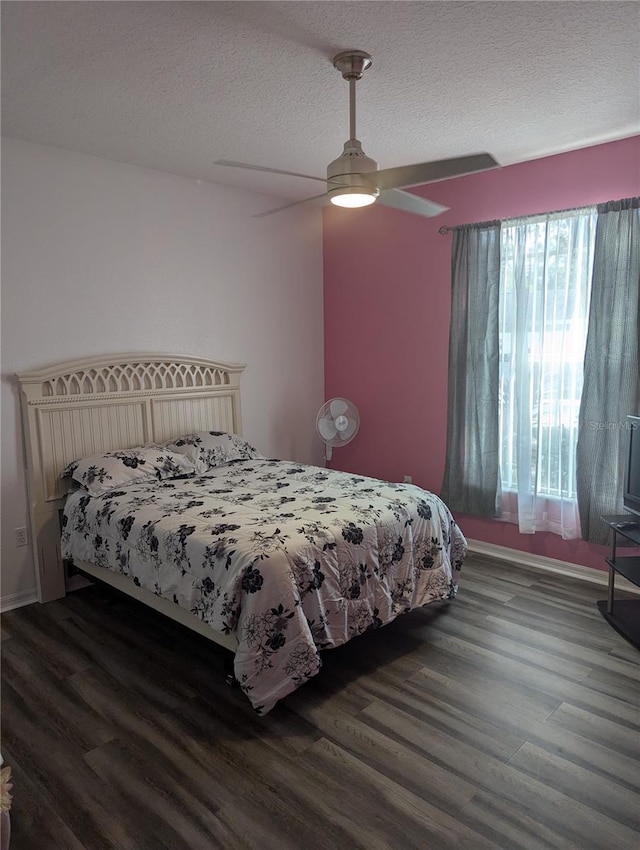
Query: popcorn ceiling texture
[176, 85]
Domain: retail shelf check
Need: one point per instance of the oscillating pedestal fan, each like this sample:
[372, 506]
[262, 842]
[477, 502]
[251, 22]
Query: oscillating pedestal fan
[337, 424]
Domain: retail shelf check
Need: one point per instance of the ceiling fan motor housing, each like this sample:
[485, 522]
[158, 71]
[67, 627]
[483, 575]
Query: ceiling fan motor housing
[350, 170]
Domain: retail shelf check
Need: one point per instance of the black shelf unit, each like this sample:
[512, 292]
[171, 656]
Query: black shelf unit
[623, 614]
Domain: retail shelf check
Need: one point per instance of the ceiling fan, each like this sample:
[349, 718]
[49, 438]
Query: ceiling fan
[354, 180]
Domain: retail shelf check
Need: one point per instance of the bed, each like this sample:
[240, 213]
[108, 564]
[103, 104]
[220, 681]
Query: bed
[274, 560]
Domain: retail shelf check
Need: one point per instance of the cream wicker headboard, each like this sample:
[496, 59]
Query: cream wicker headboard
[84, 407]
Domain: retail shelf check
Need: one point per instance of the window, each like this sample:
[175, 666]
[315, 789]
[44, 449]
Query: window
[545, 277]
[525, 436]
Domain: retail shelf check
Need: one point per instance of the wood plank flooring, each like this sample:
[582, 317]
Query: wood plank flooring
[509, 718]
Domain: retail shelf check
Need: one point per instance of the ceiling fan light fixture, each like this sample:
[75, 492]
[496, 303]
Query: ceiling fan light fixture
[353, 198]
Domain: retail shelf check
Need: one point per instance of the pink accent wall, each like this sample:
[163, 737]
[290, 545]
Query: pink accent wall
[387, 305]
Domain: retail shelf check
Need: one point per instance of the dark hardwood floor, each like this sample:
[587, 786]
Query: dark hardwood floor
[509, 718]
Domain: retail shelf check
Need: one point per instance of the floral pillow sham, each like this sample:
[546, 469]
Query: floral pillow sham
[100, 473]
[207, 449]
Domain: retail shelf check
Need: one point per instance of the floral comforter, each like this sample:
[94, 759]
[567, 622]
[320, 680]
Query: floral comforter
[291, 559]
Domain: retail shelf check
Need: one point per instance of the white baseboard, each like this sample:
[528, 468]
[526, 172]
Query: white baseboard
[27, 597]
[549, 565]
[18, 600]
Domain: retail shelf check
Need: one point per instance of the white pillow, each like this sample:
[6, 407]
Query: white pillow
[207, 449]
[100, 473]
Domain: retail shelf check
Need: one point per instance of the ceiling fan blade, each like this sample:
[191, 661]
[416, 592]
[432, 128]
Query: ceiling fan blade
[409, 202]
[286, 206]
[427, 172]
[232, 164]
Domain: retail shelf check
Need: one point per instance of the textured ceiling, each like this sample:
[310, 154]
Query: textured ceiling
[176, 85]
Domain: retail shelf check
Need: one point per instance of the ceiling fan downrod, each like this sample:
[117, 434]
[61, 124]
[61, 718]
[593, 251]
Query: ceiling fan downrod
[352, 64]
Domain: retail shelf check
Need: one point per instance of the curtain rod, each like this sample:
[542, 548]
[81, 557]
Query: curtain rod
[446, 229]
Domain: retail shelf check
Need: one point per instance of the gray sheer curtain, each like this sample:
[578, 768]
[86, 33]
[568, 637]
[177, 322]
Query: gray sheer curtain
[611, 387]
[471, 471]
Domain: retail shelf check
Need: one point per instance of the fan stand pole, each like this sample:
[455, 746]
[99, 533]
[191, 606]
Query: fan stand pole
[328, 454]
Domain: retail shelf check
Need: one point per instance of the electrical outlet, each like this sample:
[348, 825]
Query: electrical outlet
[408, 479]
[22, 538]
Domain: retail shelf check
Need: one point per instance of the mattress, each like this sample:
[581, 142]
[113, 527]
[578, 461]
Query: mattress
[290, 559]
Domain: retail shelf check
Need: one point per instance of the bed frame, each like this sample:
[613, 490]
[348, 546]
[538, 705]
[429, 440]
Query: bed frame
[85, 407]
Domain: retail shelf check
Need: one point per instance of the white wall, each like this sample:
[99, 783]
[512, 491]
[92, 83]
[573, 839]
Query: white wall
[100, 257]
